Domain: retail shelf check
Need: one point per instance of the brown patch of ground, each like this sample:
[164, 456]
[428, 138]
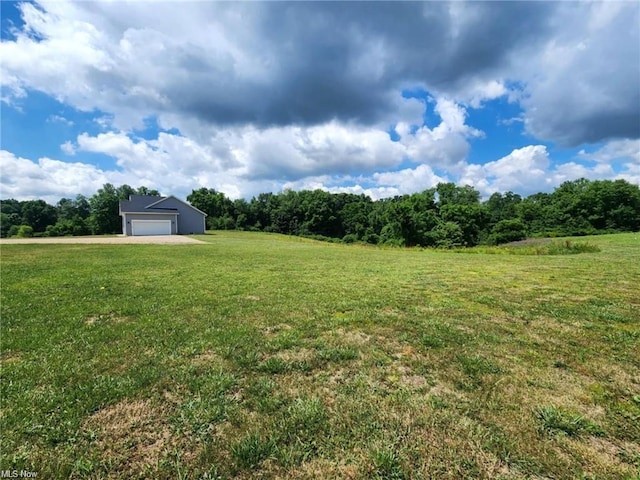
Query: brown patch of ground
[132, 436]
[414, 381]
[353, 338]
[10, 358]
[207, 358]
[406, 351]
[442, 390]
[323, 468]
[296, 355]
[275, 329]
[104, 318]
[602, 453]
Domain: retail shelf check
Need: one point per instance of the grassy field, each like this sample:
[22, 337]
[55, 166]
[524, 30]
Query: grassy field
[263, 356]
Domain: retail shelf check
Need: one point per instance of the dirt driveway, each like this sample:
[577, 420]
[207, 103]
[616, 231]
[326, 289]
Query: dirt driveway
[120, 239]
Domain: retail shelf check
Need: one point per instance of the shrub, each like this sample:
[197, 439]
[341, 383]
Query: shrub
[506, 231]
[350, 238]
[448, 235]
[24, 231]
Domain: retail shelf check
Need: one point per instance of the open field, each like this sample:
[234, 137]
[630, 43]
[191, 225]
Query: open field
[263, 356]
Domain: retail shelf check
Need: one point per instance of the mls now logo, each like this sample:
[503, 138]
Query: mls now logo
[17, 474]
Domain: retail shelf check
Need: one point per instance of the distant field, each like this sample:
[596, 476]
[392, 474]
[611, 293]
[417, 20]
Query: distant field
[264, 356]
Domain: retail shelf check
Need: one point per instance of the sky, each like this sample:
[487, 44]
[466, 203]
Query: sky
[377, 98]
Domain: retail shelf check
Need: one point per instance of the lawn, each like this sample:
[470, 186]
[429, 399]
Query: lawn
[264, 356]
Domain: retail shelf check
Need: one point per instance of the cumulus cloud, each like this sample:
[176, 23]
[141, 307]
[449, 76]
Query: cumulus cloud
[587, 90]
[266, 95]
[626, 149]
[310, 63]
[50, 179]
[443, 146]
[530, 169]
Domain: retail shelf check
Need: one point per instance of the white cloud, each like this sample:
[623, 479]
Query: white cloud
[523, 170]
[479, 93]
[50, 179]
[615, 150]
[583, 86]
[444, 146]
[60, 119]
[68, 148]
[264, 100]
[409, 180]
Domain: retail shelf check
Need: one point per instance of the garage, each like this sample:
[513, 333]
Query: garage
[151, 227]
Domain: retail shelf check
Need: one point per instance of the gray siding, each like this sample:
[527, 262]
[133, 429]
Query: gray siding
[126, 228]
[189, 221]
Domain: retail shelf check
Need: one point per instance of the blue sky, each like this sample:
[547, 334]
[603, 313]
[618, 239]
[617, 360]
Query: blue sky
[376, 98]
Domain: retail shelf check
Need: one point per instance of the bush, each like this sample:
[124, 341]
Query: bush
[24, 231]
[350, 238]
[506, 231]
[448, 235]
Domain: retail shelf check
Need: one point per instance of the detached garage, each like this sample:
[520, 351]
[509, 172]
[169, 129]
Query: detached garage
[153, 215]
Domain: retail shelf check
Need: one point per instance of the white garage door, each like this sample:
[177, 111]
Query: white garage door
[151, 227]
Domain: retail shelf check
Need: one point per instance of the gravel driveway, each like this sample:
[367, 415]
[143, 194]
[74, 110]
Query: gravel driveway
[157, 239]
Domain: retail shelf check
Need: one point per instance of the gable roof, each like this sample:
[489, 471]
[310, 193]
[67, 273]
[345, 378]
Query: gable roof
[150, 204]
[162, 199]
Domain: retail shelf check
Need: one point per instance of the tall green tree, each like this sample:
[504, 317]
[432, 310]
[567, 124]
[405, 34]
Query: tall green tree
[104, 211]
[38, 215]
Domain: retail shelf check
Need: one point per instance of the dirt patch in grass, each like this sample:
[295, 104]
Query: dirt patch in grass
[10, 358]
[322, 468]
[413, 381]
[296, 355]
[272, 330]
[405, 351]
[99, 318]
[133, 436]
[350, 337]
[208, 358]
[603, 453]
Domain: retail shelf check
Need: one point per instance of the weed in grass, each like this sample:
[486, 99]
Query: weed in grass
[244, 356]
[554, 420]
[561, 365]
[337, 354]
[273, 365]
[304, 418]
[254, 448]
[442, 334]
[475, 368]
[197, 416]
[387, 464]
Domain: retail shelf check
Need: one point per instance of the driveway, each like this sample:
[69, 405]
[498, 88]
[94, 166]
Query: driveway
[120, 239]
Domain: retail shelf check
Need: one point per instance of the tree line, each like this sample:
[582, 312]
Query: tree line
[445, 216]
[97, 215]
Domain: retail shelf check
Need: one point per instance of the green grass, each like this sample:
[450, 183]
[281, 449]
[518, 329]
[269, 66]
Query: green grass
[259, 355]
